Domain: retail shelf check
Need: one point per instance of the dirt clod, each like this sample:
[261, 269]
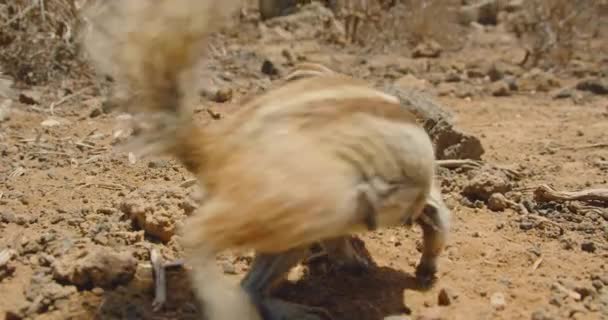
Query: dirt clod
[485, 184]
[95, 266]
[157, 210]
[588, 247]
[497, 202]
[429, 49]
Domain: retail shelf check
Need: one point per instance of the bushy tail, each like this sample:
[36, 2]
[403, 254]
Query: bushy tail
[150, 47]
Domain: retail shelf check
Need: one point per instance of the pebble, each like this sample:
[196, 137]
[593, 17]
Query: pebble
[443, 299]
[268, 68]
[526, 225]
[223, 95]
[397, 317]
[497, 202]
[540, 315]
[500, 89]
[497, 300]
[228, 268]
[5, 110]
[597, 284]
[50, 123]
[588, 247]
[97, 291]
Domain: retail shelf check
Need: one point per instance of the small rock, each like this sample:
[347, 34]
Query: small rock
[583, 291]
[228, 268]
[452, 77]
[97, 291]
[397, 317]
[158, 163]
[598, 85]
[537, 80]
[512, 82]
[427, 49]
[497, 300]
[497, 202]
[500, 89]
[475, 73]
[12, 315]
[484, 12]
[563, 94]
[108, 105]
[6, 87]
[597, 284]
[29, 97]
[50, 123]
[268, 68]
[95, 113]
[514, 5]
[526, 225]
[8, 217]
[223, 95]
[540, 315]
[495, 73]
[602, 278]
[588, 246]
[443, 299]
[5, 109]
[6, 266]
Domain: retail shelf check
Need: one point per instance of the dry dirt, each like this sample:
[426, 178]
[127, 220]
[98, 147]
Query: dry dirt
[77, 218]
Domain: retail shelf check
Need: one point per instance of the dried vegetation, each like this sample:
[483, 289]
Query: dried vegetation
[38, 40]
[555, 32]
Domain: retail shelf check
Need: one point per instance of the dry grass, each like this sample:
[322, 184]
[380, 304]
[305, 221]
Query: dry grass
[411, 22]
[39, 40]
[554, 32]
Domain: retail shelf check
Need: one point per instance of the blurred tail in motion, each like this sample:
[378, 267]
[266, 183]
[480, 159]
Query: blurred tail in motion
[150, 48]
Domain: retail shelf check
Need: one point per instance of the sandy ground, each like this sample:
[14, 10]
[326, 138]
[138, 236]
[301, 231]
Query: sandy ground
[78, 217]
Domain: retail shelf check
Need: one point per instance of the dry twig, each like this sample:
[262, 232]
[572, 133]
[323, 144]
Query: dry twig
[571, 293]
[473, 164]
[160, 267]
[109, 186]
[19, 16]
[537, 264]
[5, 256]
[584, 146]
[546, 220]
[65, 99]
[458, 163]
[160, 280]
[545, 193]
[16, 173]
[188, 183]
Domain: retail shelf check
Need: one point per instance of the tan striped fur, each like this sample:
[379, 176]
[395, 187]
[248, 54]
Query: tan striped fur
[288, 169]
